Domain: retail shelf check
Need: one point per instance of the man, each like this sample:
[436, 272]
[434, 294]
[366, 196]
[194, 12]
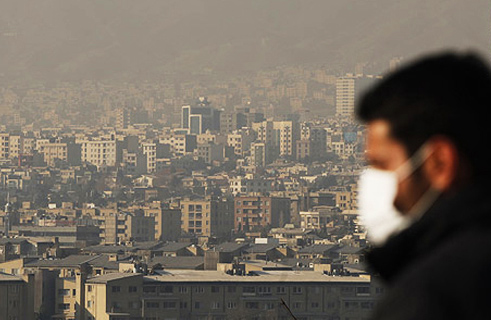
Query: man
[428, 132]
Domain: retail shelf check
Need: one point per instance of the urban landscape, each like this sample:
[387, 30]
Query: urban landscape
[160, 162]
[150, 208]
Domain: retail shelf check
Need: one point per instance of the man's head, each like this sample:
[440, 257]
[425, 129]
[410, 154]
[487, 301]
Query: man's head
[439, 104]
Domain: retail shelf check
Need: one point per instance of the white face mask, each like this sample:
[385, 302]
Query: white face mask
[376, 193]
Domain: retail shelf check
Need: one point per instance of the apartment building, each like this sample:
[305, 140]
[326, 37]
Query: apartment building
[219, 295]
[125, 226]
[282, 135]
[314, 219]
[4, 145]
[16, 298]
[245, 186]
[153, 150]
[209, 152]
[99, 152]
[259, 154]
[15, 145]
[60, 151]
[207, 217]
[286, 133]
[180, 143]
[166, 220]
[256, 212]
[348, 90]
[240, 141]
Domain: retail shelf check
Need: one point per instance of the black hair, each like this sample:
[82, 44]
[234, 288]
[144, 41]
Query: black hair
[446, 94]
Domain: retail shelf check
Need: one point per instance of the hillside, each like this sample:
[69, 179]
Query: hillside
[90, 39]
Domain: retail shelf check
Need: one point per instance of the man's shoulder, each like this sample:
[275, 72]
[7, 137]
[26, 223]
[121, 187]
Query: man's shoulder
[450, 279]
[465, 251]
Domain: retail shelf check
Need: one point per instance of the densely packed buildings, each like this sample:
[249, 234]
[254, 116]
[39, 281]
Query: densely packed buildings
[145, 202]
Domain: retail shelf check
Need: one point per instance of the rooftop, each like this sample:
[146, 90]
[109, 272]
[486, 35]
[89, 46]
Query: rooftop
[189, 262]
[5, 277]
[180, 276]
[70, 261]
[111, 277]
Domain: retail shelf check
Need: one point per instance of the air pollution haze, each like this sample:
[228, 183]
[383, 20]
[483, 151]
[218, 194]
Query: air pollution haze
[111, 39]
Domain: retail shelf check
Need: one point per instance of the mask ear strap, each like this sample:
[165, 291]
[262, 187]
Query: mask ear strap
[413, 163]
[424, 203]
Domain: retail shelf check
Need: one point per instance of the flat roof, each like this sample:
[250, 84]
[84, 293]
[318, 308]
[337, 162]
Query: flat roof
[5, 277]
[111, 276]
[183, 276]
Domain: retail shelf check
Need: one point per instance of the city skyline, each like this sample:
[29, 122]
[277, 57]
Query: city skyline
[197, 160]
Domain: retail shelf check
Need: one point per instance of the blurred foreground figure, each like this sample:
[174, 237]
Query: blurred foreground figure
[425, 197]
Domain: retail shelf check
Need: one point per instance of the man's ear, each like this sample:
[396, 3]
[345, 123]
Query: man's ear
[442, 165]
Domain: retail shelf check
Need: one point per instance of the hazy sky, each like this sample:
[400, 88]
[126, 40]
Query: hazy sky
[97, 39]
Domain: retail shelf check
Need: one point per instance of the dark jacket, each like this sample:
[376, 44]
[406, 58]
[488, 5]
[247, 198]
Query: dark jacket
[440, 267]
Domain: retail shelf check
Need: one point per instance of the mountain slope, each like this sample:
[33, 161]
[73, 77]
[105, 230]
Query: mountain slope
[118, 38]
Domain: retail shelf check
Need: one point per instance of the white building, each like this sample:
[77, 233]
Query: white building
[99, 152]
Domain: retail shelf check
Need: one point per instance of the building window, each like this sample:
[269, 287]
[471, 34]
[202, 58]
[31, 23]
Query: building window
[280, 290]
[199, 290]
[215, 305]
[264, 290]
[351, 304]
[149, 289]
[64, 306]
[248, 290]
[366, 305]
[252, 305]
[63, 292]
[152, 305]
[363, 290]
[167, 289]
[169, 305]
[215, 289]
[269, 305]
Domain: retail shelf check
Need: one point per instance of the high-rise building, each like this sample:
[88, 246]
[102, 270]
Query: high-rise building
[238, 118]
[281, 136]
[259, 154]
[348, 89]
[286, 134]
[312, 142]
[123, 118]
[200, 117]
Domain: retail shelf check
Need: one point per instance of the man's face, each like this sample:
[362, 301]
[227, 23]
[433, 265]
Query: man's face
[386, 153]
